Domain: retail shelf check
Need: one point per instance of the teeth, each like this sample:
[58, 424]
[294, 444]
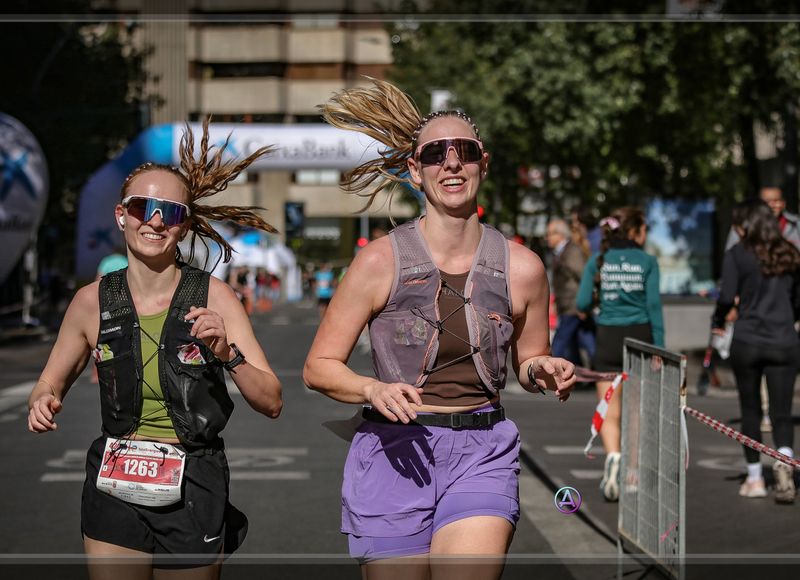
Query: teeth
[152, 236]
[452, 182]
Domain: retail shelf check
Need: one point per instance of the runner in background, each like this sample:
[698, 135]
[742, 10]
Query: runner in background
[163, 335]
[623, 281]
[324, 287]
[763, 270]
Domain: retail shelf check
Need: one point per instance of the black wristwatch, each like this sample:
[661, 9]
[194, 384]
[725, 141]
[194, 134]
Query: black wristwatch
[236, 360]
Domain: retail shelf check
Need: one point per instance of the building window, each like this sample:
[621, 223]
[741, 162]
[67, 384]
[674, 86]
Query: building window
[226, 70]
[196, 116]
[315, 21]
[317, 177]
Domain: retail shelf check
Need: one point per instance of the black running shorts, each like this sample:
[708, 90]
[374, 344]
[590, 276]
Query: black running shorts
[198, 528]
[610, 340]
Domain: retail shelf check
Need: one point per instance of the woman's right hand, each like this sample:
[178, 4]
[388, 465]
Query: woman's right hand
[392, 400]
[41, 417]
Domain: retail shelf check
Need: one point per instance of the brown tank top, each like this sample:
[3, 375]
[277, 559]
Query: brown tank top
[456, 384]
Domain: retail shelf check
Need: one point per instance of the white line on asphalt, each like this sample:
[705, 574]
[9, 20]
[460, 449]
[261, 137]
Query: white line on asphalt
[571, 450]
[73, 476]
[62, 477]
[586, 473]
[269, 475]
[16, 395]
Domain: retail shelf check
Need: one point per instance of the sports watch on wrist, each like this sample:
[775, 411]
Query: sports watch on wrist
[236, 360]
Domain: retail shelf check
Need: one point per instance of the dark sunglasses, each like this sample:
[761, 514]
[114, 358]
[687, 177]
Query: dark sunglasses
[435, 152]
[144, 208]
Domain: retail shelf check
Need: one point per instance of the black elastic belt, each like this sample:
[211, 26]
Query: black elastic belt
[454, 420]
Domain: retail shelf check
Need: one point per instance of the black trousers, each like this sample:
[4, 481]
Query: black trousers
[779, 364]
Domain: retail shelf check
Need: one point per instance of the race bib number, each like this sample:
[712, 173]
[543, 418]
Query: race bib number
[142, 472]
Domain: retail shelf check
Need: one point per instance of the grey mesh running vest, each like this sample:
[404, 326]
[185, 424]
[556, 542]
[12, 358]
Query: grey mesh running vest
[405, 334]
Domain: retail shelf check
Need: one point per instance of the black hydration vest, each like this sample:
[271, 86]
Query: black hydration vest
[195, 395]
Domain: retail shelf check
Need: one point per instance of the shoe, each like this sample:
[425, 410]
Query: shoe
[753, 489]
[609, 485]
[784, 483]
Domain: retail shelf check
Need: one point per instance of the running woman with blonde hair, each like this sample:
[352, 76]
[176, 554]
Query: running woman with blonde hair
[163, 336]
[433, 471]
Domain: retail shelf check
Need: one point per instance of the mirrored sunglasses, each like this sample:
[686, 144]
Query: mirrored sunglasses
[435, 152]
[143, 209]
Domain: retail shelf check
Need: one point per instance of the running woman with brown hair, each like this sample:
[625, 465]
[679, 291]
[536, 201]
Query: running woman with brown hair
[433, 471]
[163, 336]
[623, 281]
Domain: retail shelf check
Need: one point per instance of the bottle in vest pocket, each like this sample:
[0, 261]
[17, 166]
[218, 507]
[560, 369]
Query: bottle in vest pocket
[146, 473]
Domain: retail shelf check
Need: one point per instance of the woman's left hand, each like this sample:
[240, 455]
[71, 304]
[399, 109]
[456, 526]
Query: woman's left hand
[210, 328]
[554, 374]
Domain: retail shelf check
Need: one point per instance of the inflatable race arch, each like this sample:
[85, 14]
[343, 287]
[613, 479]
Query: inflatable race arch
[312, 146]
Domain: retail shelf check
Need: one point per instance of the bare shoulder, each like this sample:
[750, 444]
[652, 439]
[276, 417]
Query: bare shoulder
[83, 314]
[221, 296]
[86, 300]
[526, 266]
[377, 257]
[369, 278]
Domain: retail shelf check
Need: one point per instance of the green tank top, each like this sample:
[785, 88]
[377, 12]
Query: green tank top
[155, 422]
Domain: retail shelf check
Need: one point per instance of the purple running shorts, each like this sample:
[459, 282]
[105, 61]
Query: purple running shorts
[404, 482]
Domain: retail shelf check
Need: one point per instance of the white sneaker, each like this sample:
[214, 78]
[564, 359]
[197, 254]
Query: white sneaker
[753, 489]
[609, 485]
[784, 483]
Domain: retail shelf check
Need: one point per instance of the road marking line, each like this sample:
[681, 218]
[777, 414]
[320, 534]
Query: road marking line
[16, 395]
[63, 477]
[586, 473]
[77, 476]
[270, 475]
[571, 450]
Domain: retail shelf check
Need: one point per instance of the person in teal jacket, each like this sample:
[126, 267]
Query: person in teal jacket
[622, 281]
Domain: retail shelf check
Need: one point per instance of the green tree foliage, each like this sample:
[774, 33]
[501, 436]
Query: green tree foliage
[623, 108]
[77, 85]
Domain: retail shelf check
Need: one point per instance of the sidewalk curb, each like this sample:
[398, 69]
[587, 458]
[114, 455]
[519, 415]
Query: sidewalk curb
[554, 484]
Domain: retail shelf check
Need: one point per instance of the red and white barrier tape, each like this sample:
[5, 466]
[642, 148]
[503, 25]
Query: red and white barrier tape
[743, 439]
[602, 409]
[585, 375]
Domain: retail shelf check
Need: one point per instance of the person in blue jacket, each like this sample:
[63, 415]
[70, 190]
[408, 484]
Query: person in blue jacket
[622, 281]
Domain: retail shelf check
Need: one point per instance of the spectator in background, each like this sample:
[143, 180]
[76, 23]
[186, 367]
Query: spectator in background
[586, 232]
[763, 271]
[112, 263]
[623, 281]
[575, 329]
[788, 223]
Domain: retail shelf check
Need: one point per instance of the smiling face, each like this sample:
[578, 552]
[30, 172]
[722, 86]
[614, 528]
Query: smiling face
[452, 186]
[153, 238]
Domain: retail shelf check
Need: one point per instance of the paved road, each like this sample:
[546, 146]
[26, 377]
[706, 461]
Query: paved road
[286, 476]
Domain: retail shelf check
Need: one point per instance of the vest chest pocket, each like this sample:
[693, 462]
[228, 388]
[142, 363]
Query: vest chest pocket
[494, 331]
[198, 398]
[118, 380]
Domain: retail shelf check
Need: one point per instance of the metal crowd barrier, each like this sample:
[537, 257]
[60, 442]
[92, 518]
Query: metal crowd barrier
[652, 471]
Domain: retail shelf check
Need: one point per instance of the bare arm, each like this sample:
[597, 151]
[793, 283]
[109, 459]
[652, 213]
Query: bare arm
[67, 360]
[224, 322]
[530, 295]
[364, 291]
